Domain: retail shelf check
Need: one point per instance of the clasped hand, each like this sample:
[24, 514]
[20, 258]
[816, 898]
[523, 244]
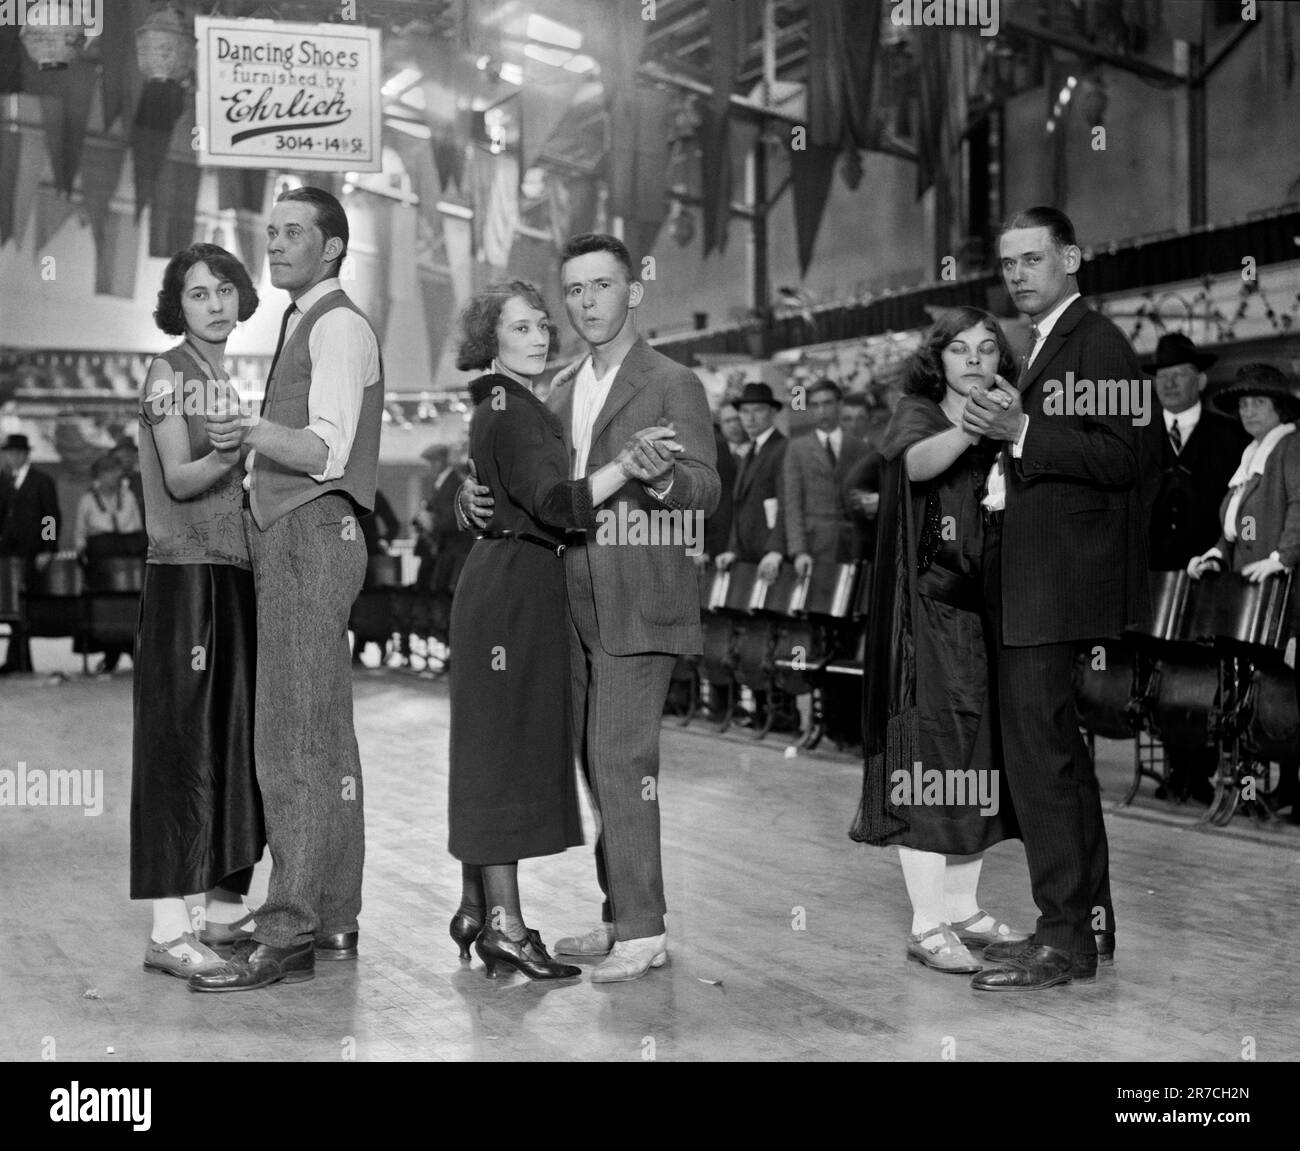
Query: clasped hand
[994, 413]
[649, 454]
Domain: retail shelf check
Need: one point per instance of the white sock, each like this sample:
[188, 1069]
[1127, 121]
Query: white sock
[171, 920]
[961, 880]
[221, 906]
[923, 875]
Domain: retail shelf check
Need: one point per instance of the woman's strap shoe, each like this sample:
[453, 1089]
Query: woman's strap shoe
[996, 932]
[177, 957]
[951, 954]
[528, 956]
[464, 927]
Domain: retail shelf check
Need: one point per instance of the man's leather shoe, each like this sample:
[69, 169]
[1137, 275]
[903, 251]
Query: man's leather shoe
[1032, 970]
[1005, 951]
[1001, 952]
[632, 958]
[253, 965]
[340, 945]
[1106, 948]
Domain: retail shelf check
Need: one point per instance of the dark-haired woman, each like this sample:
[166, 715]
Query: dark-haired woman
[933, 756]
[1261, 512]
[512, 787]
[196, 813]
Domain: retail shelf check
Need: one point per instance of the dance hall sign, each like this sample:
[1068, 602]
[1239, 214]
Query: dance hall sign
[298, 96]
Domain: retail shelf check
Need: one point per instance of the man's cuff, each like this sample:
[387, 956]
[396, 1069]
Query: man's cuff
[663, 495]
[333, 468]
[1018, 445]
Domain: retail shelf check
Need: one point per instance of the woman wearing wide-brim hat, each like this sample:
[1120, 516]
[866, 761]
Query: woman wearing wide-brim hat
[1261, 512]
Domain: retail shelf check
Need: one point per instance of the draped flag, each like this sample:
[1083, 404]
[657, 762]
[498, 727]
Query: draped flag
[406, 343]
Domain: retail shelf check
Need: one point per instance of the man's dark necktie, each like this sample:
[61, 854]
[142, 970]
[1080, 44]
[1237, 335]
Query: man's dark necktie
[275, 359]
[743, 470]
[830, 452]
[1029, 355]
[1176, 437]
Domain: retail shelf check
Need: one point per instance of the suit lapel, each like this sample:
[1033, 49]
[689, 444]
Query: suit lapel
[754, 461]
[625, 386]
[1056, 340]
[560, 401]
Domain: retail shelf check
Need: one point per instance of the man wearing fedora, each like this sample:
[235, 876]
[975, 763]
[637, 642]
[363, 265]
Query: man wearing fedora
[757, 533]
[29, 529]
[1198, 452]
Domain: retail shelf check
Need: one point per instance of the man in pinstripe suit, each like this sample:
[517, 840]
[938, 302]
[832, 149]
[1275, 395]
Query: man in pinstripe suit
[1064, 568]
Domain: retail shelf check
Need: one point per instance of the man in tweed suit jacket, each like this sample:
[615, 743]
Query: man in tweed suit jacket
[634, 606]
[1064, 566]
[815, 521]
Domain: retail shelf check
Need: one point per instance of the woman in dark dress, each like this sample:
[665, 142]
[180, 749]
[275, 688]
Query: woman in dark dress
[512, 787]
[933, 750]
[196, 811]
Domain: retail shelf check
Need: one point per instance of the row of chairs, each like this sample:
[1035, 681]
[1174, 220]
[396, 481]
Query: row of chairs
[791, 635]
[386, 610]
[1207, 670]
[97, 607]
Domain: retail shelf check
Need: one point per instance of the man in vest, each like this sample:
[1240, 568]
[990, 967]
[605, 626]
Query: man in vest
[312, 457]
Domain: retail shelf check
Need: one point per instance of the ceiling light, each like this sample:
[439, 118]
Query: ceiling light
[581, 63]
[403, 80]
[555, 57]
[419, 131]
[549, 32]
[512, 74]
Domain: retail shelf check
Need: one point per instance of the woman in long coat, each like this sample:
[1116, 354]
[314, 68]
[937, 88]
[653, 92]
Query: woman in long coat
[932, 779]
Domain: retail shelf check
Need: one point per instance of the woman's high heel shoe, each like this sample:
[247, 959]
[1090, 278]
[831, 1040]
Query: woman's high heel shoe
[465, 926]
[529, 957]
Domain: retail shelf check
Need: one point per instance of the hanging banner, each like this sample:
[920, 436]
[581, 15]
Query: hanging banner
[299, 96]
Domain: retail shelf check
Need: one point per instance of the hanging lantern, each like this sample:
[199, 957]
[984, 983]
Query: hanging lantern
[52, 46]
[164, 46]
[682, 228]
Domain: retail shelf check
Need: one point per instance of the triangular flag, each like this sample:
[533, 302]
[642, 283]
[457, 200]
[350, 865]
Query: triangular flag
[440, 308]
[547, 96]
[52, 212]
[811, 172]
[171, 224]
[407, 367]
[66, 101]
[160, 106]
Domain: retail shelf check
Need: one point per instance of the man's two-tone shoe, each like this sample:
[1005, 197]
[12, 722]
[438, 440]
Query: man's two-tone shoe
[252, 965]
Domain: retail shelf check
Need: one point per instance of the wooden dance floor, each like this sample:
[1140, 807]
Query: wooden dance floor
[786, 938]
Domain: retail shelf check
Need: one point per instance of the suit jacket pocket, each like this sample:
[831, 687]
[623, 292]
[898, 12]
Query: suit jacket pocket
[1084, 502]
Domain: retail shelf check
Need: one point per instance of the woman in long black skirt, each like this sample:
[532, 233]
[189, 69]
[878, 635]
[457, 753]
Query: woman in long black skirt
[513, 792]
[196, 813]
[933, 772]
